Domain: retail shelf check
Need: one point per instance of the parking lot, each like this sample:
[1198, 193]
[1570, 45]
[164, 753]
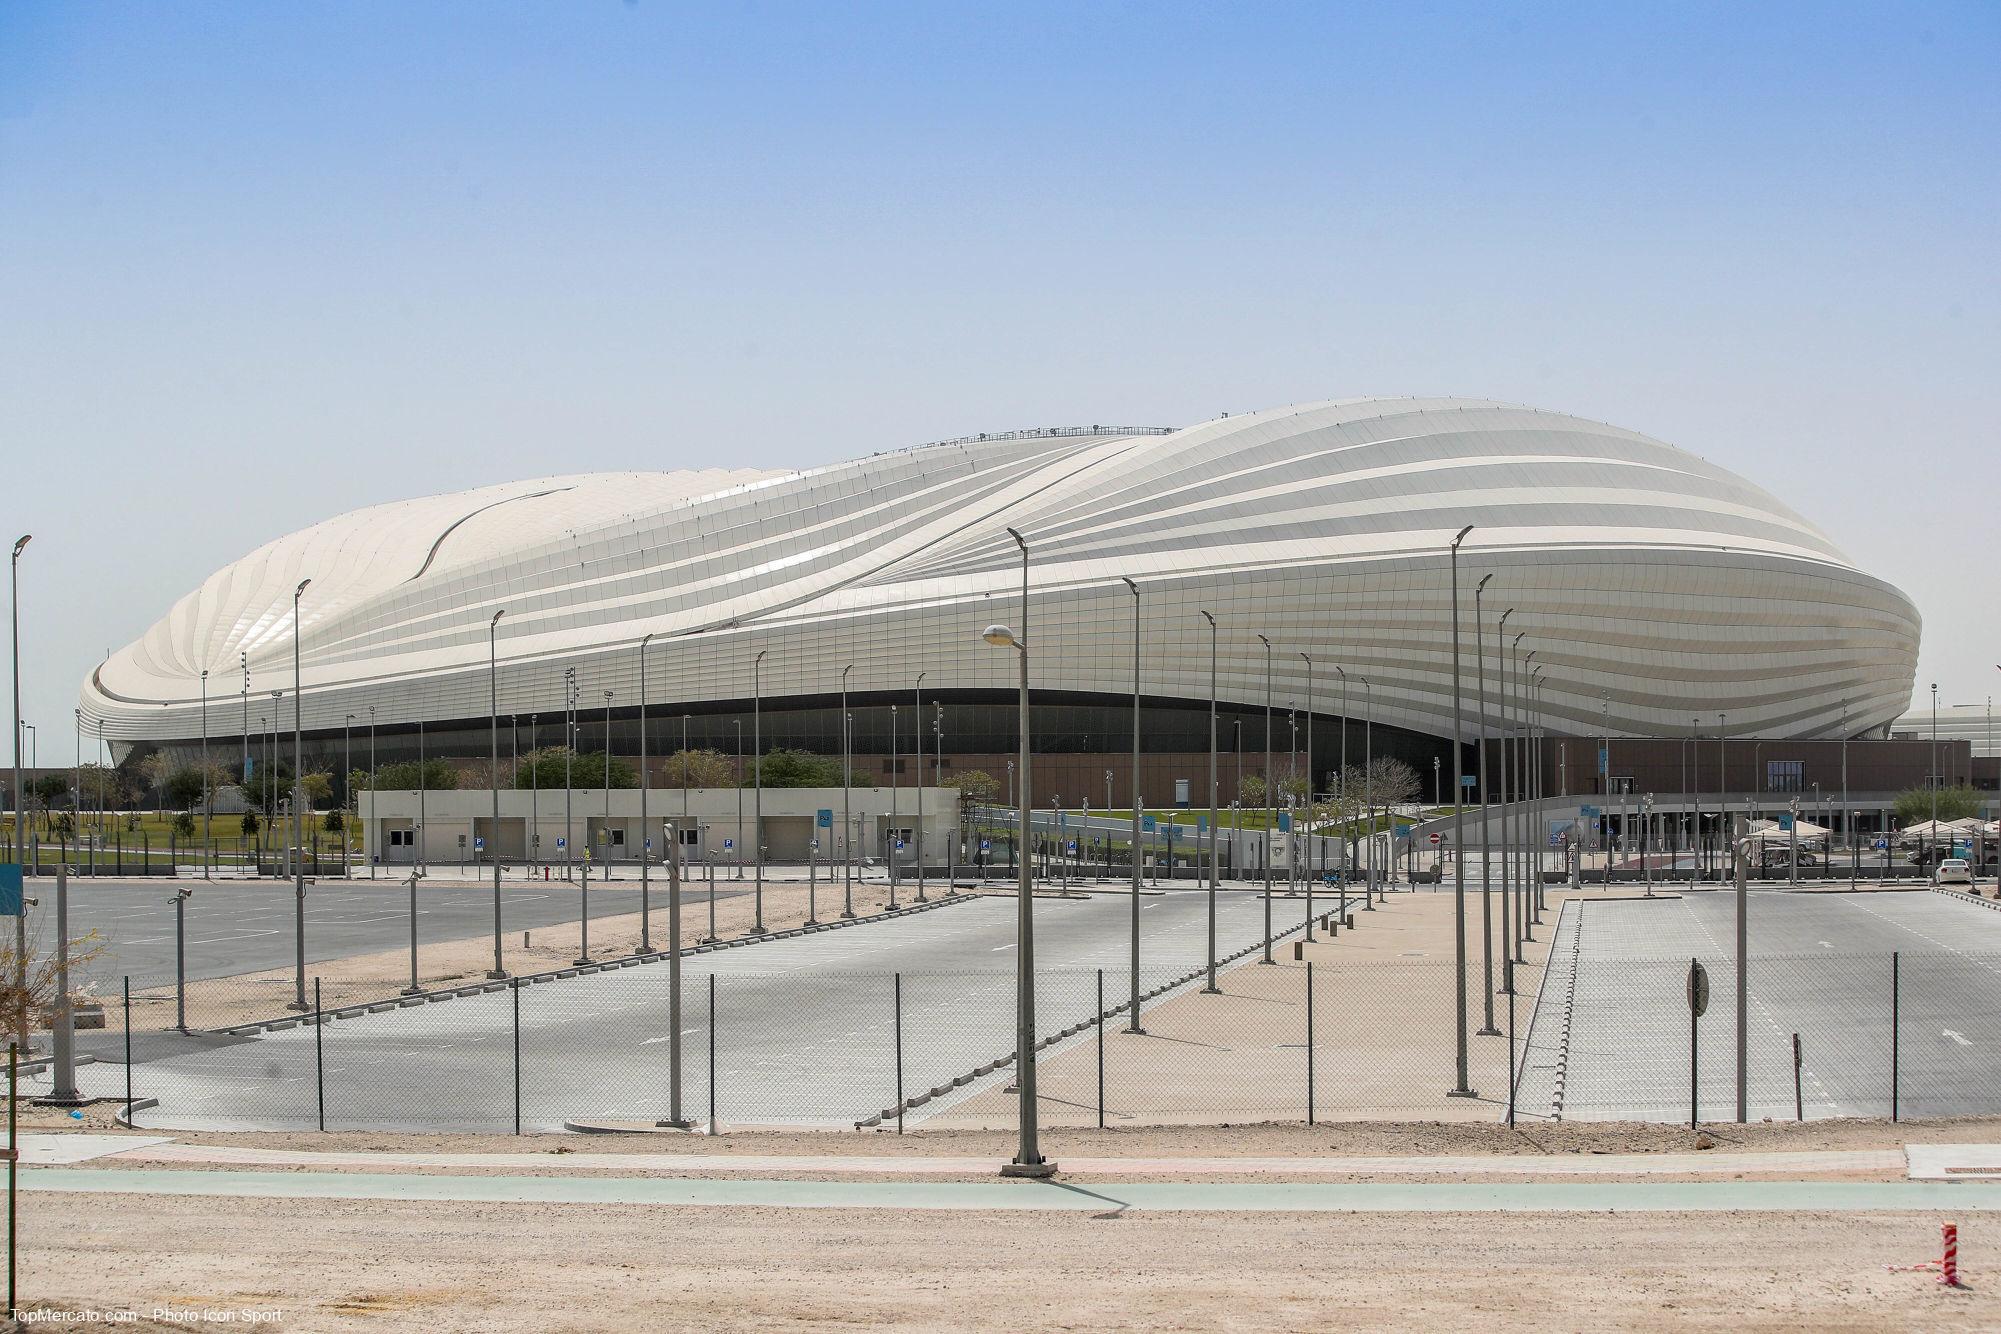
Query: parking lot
[1892, 995]
[804, 1027]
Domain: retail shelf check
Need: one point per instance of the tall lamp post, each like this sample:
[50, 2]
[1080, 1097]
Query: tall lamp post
[346, 789]
[1133, 966]
[1486, 803]
[207, 785]
[298, 807]
[757, 793]
[1304, 841]
[1461, 1088]
[1210, 988]
[645, 821]
[1271, 805]
[1931, 851]
[493, 776]
[847, 807]
[14, 594]
[1028, 1159]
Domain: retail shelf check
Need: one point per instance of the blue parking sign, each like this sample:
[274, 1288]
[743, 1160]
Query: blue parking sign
[825, 818]
[10, 891]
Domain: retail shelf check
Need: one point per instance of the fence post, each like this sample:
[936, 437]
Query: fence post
[898, 1001]
[1693, 1019]
[514, 985]
[1895, 1005]
[712, 1045]
[1514, 1059]
[13, 1166]
[1101, 1047]
[320, 1053]
[1799, 1107]
[128, 1051]
[1309, 1036]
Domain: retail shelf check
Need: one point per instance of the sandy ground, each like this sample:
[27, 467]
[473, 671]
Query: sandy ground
[1384, 1037]
[357, 1265]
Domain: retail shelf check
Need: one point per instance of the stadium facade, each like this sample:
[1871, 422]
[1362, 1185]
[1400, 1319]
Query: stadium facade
[1658, 592]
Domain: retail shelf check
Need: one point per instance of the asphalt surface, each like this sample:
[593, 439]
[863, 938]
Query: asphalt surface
[805, 1027]
[236, 927]
[1611, 1035]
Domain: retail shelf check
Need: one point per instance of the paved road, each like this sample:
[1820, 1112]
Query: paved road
[804, 1027]
[238, 927]
[1821, 968]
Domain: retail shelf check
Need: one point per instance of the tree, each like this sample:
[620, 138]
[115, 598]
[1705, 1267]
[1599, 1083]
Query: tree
[1251, 792]
[51, 790]
[698, 768]
[22, 1007]
[158, 769]
[104, 788]
[1954, 803]
[793, 768]
[976, 787]
[184, 825]
[438, 776]
[250, 824]
[545, 769]
[319, 788]
[62, 825]
[185, 787]
[332, 822]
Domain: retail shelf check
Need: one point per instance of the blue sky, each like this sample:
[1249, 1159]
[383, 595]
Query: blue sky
[267, 263]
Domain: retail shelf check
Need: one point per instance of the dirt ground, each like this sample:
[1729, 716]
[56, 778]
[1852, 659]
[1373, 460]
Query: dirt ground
[338, 1265]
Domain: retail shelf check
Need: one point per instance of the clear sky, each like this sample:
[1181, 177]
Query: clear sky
[260, 264]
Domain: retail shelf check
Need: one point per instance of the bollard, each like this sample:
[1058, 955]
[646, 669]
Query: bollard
[1948, 1264]
[1298, 950]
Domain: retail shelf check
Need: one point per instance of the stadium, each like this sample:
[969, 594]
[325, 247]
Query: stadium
[1653, 587]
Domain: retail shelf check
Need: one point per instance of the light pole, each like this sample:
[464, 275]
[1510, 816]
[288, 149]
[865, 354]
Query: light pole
[1341, 787]
[1461, 1088]
[1271, 807]
[298, 806]
[20, 806]
[605, 799]
[847, 802]
[207, 785]
[1028, 1159]
[1931, 851]
[1509, 929]
[895, 790]
[757, 795]
[1369, 780]
[1210, 987]
[493, 776]
[1304, 841]
[645, 821]
[1526, 873]
[570, 697]
[1486, 805]
[346, 789]
[917, 779]
[1133, 965]
[739, 801]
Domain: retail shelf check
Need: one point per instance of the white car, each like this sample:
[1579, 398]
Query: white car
[1955, 871]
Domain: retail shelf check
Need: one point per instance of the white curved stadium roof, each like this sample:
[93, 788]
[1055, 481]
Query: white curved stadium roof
[1654, 587]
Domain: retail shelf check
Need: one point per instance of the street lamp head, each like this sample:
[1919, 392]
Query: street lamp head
[298, 592]
[21, 544]
[1481, 586]
[1462, 536]
[496, 618]
[998, 635]
[1019, 540]
[1211, 619]
[1130, 585]
[646, 639]
[1265, 642]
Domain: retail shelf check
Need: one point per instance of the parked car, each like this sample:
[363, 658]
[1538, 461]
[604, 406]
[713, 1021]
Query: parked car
[1955, 871]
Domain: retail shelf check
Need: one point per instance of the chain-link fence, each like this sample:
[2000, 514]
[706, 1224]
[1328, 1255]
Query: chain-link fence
[1343, 1038]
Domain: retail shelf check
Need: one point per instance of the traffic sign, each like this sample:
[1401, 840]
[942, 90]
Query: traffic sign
[825, 817]
[10, 891]
[649, 845]
[1285, 822]
[1466, 780]
[1149, 824]
[986, 845]
[1437, 838]
[1403, 831]
[1698, 989]
[1070, 847]
[561, 843]
[478, 844]
[899, 845]
[814, 845]
[728, 843]
[1882, 843]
